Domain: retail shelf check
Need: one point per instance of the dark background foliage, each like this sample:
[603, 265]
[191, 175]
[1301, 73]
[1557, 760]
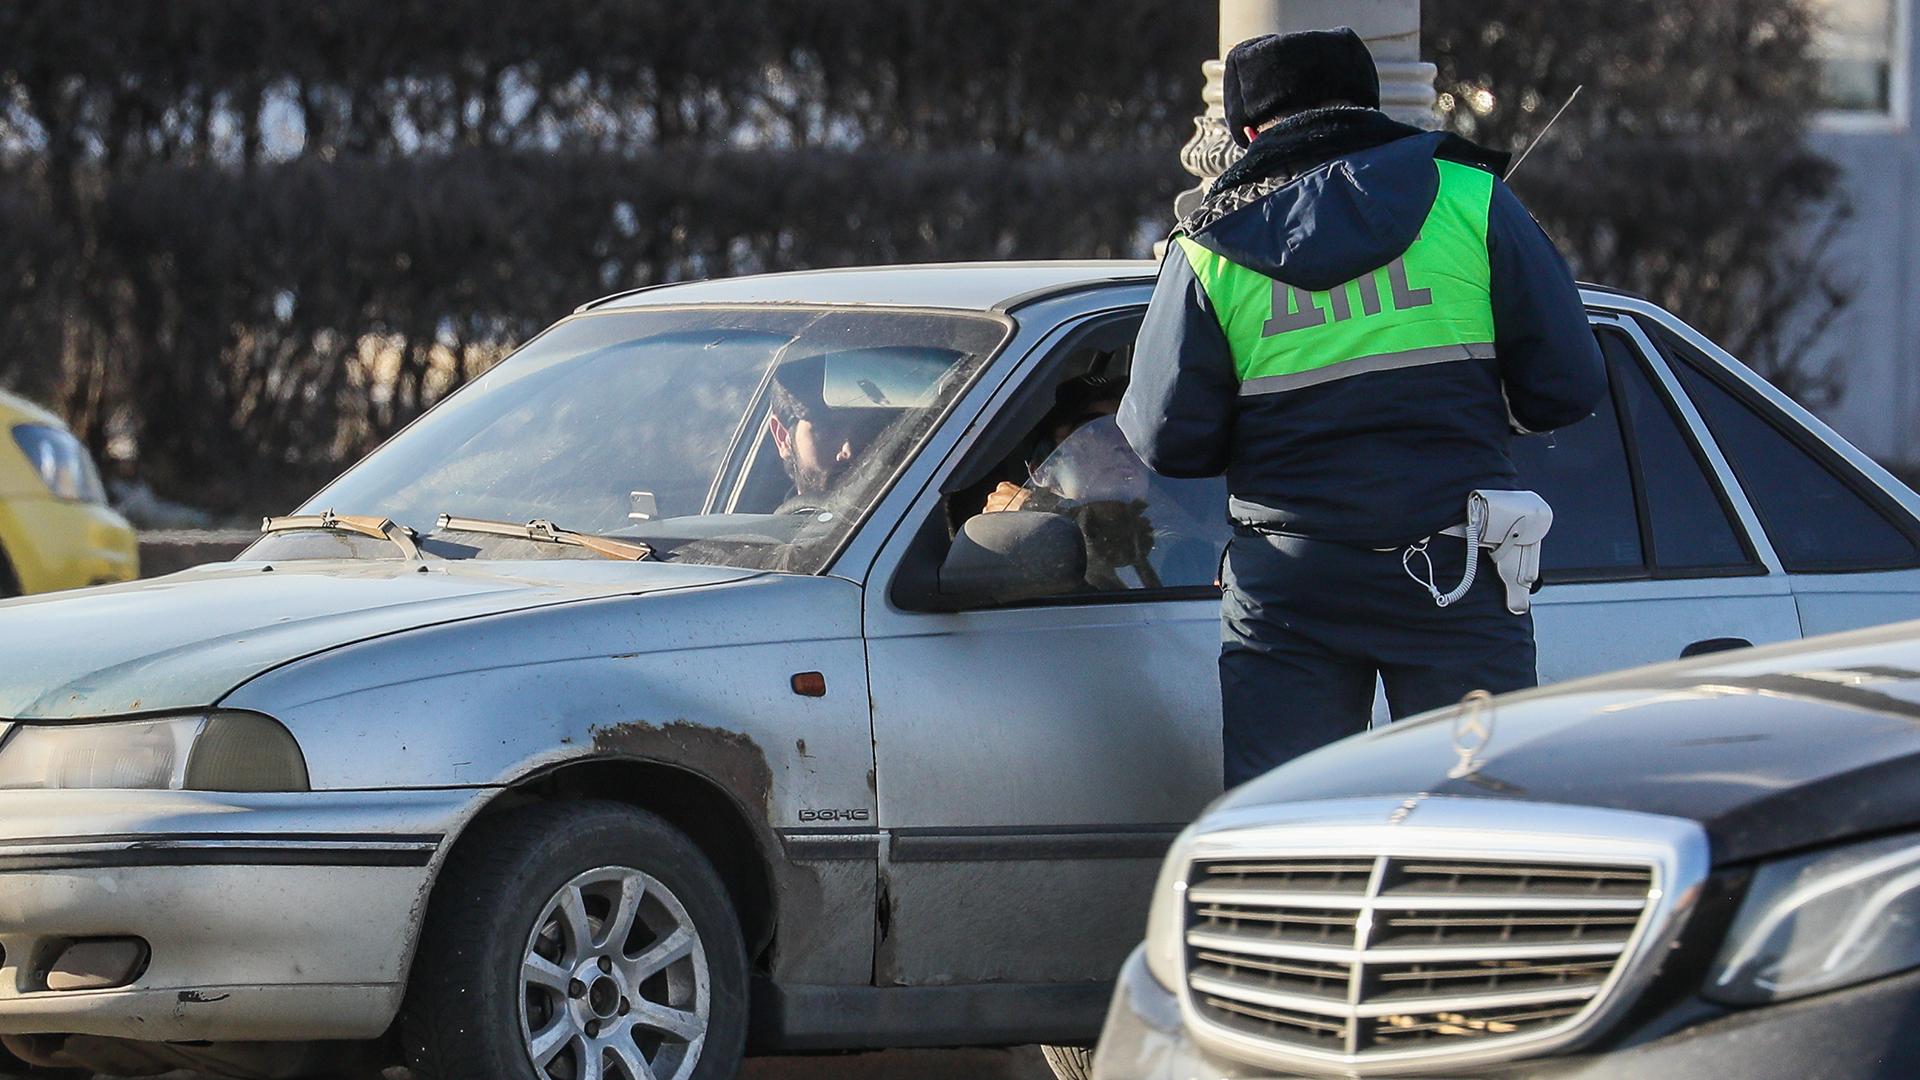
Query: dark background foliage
[246, 240]
[1681, 171]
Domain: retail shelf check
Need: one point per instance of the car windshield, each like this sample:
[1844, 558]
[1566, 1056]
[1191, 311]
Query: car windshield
[741, 436]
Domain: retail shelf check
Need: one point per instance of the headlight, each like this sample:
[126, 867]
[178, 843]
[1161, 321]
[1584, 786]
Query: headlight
[63, 464]
[1167, 918]
[222, 751]
[1822, 921]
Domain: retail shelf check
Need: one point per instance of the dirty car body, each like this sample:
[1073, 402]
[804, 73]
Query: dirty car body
[933, 755]
[1690, 870]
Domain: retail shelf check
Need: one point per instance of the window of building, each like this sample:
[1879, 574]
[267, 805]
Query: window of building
[1863, 50]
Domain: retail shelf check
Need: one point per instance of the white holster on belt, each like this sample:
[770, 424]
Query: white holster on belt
[1511, 525]
[1517, 523]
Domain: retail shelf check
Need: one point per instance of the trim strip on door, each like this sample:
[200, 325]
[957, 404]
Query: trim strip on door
[831, 845]
[1032, 844]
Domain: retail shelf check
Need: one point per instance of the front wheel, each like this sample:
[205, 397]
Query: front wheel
[578, 941]
[18, 1067]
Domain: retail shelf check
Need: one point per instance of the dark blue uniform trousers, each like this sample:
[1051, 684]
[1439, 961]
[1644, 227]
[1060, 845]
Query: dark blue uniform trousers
[1307, 624]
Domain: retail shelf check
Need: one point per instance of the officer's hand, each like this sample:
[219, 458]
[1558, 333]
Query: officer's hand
[1004, 498]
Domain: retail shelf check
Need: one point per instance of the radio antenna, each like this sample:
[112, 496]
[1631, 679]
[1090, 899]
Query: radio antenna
[1538, 139]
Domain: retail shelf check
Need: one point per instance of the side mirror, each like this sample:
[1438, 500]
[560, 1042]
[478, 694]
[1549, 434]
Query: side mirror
[1009, 557]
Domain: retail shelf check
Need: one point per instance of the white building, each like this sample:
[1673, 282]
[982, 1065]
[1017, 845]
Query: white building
[1869, 130]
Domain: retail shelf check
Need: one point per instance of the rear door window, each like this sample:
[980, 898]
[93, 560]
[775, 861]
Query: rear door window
[1819, 518]
[1690, 522]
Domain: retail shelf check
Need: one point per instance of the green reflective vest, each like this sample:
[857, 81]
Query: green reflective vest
[1430, 306]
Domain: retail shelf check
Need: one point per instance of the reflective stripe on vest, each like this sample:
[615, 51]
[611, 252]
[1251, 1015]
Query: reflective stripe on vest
[1432, 305]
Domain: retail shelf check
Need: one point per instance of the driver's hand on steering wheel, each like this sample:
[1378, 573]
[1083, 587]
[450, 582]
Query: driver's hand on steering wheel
[1004, 498]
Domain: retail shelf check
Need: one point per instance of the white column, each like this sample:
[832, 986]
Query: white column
[1391, 29]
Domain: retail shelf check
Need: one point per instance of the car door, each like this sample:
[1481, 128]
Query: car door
[1845, 531]
[1034, 760]
[1652, 555]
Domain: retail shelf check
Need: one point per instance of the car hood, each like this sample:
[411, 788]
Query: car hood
[185, 641]
[1770, 749]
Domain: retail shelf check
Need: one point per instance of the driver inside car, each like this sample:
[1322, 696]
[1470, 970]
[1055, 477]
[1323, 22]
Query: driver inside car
[820, 446]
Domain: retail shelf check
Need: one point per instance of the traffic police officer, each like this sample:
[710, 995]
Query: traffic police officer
[1352, 327]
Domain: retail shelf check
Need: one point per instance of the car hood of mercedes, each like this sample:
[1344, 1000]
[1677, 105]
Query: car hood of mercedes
[187, 640]
[1770, 749]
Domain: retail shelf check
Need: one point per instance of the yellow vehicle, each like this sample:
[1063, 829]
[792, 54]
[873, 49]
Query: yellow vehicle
[56, 531]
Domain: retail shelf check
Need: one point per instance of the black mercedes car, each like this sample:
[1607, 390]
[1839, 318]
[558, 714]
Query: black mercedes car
[1702, 869]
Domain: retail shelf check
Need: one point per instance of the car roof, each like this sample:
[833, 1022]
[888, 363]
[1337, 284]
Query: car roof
[982, 286]
[979, 286]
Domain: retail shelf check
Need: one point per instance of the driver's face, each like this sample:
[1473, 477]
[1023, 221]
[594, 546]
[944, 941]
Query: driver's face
[821, 450]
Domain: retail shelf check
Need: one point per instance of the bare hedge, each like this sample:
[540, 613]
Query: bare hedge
[247, 240]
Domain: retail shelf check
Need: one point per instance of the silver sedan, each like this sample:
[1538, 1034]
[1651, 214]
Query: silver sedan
[786, 663]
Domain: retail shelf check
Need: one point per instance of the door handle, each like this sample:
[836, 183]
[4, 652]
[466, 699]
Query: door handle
[1714, 645]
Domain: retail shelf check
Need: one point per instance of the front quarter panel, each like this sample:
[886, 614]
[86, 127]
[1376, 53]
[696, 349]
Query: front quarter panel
[698, 678]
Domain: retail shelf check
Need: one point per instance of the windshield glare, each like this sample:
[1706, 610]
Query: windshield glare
[752, 436]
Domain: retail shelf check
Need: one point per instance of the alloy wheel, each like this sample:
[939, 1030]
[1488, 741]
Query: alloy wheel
[614, 983]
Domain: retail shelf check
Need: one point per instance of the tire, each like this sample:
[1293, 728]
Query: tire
[9, 584]
[1069, 1062]
[12, 1066]
[532, 892]
[9, 1070]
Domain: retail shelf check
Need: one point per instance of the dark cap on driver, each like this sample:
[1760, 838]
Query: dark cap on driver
[1279, 75]
[805, 379]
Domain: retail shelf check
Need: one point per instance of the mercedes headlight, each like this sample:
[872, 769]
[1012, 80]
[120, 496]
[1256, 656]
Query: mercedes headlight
[62, 462]
[1822, 921]
[218, 751]
[1167, 918]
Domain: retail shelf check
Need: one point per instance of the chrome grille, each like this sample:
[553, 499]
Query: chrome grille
[1383, 957]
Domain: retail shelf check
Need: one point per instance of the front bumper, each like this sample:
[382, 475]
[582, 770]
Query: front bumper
[1861, 1033]
[267, 917]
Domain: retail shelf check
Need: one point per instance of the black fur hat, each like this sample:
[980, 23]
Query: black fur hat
[1282, 74]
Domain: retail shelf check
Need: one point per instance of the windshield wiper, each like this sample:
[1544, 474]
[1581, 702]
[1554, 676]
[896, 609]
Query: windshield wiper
[360, 524]
[546, 532]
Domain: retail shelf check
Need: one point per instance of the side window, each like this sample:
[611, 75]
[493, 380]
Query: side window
[1058, 449]
[1582, 472]
[1143, 531]
[1690, 521]
[1817, 520]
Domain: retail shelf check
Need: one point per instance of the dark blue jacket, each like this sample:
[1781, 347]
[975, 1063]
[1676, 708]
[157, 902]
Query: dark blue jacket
[1379, 459]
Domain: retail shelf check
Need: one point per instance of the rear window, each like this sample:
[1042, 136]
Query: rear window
[1819, 517]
